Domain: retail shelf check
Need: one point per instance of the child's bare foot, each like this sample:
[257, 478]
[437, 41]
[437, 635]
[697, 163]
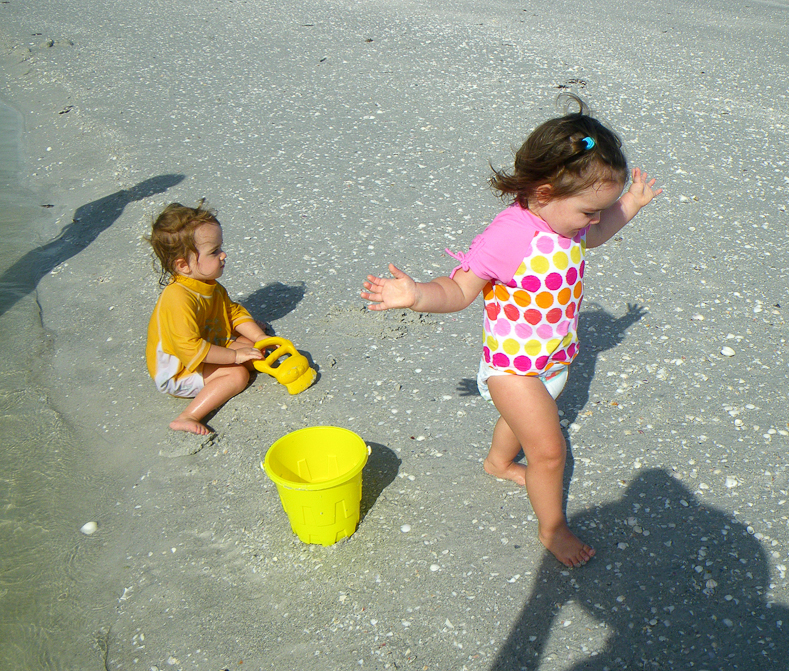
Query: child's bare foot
[566, 547]
[512, 471]
[186, 423]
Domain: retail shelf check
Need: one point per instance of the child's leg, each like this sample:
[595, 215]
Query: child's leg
[530, 420]
[221, 384]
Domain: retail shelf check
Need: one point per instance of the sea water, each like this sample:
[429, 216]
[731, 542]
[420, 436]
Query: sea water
[48, 600]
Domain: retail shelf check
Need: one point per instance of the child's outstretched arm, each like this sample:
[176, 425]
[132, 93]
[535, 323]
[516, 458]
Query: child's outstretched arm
[616, 217]
[442, 294]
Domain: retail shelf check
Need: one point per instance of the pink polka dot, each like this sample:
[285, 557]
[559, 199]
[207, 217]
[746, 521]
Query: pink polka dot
[553, 281]
[502, 327]
[545, 244]
[563, 329]
[501, 360]
[545, 331]
[486, 354]
[522, 363]
[531, 283]
[571, 350]
[541, 362]
[523, 331]
[583, 267]
[559, 355]
[564, 243]
[486, 325]
[572, 276]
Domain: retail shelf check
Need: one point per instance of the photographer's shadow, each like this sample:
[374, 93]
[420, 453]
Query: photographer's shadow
[676, 583]
[88, 222]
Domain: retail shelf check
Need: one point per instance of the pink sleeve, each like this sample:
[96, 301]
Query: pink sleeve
[497, 253]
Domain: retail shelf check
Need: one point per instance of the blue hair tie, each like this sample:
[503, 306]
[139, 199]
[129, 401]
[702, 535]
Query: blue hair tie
[588, 143]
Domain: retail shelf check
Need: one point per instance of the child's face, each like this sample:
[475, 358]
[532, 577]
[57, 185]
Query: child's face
[209, 264]
[570, 215]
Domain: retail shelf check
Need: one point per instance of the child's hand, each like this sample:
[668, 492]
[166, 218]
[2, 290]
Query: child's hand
[386, 293]
[247, 354]
[642, 190]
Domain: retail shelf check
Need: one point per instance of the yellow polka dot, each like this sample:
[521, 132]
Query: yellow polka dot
[575, 254]
[522, 298]
[567, 339]
[564, 296]
[501, 292]
[492, 343]
[533, 347]
[544, 299]
[511, 346]
[539, 264]
[551, 345]
[521, 269]
[560, 260]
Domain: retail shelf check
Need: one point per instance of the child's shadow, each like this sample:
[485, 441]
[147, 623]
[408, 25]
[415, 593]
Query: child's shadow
[676, 584]
[379, 472]
[274, 301]
[88, 222]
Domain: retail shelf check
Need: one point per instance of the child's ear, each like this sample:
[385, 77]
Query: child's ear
[543, 194]
[181, 266]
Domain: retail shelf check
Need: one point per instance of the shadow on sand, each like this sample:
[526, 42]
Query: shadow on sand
[379, 472]
[88, 222]
[676, 585]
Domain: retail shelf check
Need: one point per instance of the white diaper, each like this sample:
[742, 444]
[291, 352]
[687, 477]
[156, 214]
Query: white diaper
[553, 379]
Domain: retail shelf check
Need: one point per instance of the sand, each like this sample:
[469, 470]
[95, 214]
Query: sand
[333, 138]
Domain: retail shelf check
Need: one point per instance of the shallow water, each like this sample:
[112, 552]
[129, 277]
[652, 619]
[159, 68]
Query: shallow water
[45, 494]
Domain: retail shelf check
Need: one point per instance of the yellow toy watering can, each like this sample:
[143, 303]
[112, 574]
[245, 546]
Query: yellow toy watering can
[294, 371]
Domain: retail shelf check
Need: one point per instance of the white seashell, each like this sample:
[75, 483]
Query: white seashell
[727, 351]
[434, 567]
[405, 528]
[89, 528]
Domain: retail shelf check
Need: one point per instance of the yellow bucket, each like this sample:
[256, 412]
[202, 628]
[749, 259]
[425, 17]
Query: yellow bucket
[318, 473]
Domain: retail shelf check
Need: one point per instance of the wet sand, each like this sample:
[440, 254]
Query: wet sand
[333, 139]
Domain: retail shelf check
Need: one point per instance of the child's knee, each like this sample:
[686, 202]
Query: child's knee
[552, 455]
[240, 377]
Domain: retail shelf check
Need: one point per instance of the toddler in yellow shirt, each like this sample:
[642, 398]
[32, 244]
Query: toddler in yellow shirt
[200, 343]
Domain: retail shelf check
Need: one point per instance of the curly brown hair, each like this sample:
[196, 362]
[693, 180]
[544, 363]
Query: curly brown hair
[173, 235]
[559, 153]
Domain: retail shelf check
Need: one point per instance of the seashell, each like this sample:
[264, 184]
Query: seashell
[89, 528]
[727, 351]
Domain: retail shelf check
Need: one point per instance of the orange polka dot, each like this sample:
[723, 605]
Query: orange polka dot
[544, 299]
[564, 296]
[578, 290]
[501, 292]
[487, 292]
[522, 298]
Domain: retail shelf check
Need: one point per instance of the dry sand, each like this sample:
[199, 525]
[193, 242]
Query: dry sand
[334, 137]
